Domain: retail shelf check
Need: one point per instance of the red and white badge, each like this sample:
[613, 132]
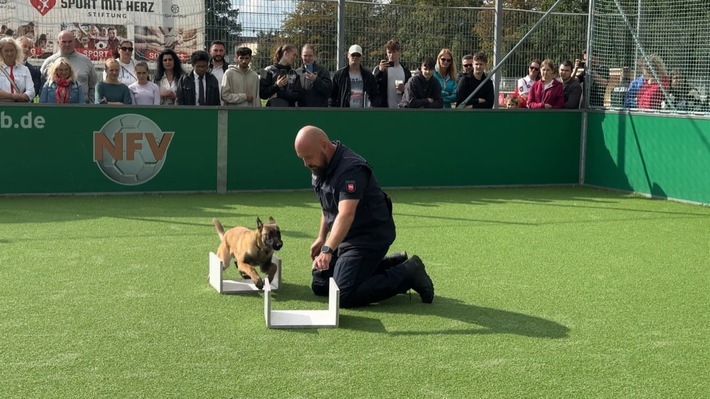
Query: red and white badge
[350, 186]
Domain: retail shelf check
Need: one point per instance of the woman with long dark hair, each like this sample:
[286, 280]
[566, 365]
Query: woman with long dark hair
[167, 74]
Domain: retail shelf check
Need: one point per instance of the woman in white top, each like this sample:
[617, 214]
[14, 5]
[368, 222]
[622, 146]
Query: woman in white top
[15, 79]
[167, 74]
[524, 84]
[143, 91]
[127, 73]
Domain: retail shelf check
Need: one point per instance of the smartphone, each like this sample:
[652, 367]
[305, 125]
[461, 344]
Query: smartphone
[282, 72]
[391, 63]
[309, 68]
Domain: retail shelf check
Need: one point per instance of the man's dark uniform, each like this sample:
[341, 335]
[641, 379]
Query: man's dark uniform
[355, 262]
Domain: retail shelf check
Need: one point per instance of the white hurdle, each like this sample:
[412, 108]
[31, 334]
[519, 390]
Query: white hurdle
[304, 318]
[241, 285]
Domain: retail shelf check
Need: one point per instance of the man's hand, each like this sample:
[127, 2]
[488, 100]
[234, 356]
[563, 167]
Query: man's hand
[322, 261]
[316, 246]
[250, 97]
[384, 64]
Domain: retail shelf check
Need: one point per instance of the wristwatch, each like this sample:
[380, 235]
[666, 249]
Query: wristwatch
[326, 249]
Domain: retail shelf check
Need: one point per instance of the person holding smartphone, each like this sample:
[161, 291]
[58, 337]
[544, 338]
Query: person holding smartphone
[279, 83]
[315, 80]
[391, 76]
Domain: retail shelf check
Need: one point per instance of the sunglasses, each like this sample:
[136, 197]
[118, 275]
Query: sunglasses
[126, 48]
[534, 68]
[445, 59]
[468, 65]
[355, 55]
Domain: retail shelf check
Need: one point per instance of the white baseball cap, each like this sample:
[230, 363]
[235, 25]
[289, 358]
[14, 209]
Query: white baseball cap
[355, 49]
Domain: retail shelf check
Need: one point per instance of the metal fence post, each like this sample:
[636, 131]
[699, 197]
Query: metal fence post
[497, 50]
[340, 60]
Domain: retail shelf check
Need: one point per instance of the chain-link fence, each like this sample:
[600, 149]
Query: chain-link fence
[421, 30]
[652, 54]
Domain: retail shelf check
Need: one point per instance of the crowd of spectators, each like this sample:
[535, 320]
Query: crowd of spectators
[68, 76]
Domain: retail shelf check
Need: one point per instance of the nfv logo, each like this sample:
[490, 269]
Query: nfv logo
[130, 149]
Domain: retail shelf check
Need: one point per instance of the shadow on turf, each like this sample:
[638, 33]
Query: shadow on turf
[482, 320]
[479, 319]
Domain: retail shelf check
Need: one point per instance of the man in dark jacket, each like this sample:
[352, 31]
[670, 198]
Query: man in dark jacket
[391, 76]
[199, 87]
[468, 84]
[353, 86]
[315, 80]
[356, 228]
[422, 91]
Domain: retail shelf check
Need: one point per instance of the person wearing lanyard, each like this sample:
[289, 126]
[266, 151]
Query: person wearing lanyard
[15, 79]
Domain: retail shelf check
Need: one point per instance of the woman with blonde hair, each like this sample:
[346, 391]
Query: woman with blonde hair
[16, 83]
[111, 90]
[62, 86]
[650, 95]
[124, 55]
[446, 75]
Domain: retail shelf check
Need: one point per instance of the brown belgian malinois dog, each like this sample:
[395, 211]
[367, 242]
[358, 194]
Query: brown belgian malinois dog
[250, 248]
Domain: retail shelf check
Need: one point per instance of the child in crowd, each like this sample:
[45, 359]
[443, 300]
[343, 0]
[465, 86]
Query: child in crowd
[144, 92]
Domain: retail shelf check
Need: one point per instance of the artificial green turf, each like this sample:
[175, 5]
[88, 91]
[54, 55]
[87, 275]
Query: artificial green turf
[540, 293]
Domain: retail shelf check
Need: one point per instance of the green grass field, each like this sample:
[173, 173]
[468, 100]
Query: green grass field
[540, 293]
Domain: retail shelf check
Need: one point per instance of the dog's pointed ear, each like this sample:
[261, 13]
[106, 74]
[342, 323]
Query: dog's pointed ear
[271, 220]
[259, 224]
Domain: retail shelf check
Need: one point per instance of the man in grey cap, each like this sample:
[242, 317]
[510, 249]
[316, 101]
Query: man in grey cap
[354, 86]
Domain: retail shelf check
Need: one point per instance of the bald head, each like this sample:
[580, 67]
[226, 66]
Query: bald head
[65, 39]
[309, 137]
[314, 147]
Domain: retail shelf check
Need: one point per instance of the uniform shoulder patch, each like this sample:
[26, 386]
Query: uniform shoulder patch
[350, 186]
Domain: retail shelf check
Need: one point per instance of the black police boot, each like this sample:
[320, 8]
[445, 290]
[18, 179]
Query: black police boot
[392, 260]
[419, 279]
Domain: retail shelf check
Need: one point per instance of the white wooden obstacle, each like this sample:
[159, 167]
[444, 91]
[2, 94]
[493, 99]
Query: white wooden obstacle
[241, 285]
[304, 318]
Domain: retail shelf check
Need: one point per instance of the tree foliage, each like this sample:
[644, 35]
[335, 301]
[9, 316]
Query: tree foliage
[423, 27]
[221, 23]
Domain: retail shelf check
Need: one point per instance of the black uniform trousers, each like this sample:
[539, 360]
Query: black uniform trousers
[359, 278]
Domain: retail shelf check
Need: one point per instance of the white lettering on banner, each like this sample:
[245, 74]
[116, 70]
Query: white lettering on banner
[24, 122]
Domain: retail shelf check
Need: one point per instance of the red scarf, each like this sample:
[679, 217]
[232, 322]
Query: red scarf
[62, 94]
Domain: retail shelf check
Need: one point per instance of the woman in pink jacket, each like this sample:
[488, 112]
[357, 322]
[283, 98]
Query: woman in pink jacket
[547, 92]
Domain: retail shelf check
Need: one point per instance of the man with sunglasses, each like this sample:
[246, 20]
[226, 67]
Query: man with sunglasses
[466, 66]
[81, 64]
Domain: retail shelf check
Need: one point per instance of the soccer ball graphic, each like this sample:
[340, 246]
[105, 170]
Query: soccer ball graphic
[140, 166]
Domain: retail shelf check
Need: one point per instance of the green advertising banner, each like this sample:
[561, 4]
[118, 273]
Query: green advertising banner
[105, 149]
[411, 148]
[664, 156]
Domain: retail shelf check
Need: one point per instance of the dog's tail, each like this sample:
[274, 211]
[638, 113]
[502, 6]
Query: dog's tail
[218, 226]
